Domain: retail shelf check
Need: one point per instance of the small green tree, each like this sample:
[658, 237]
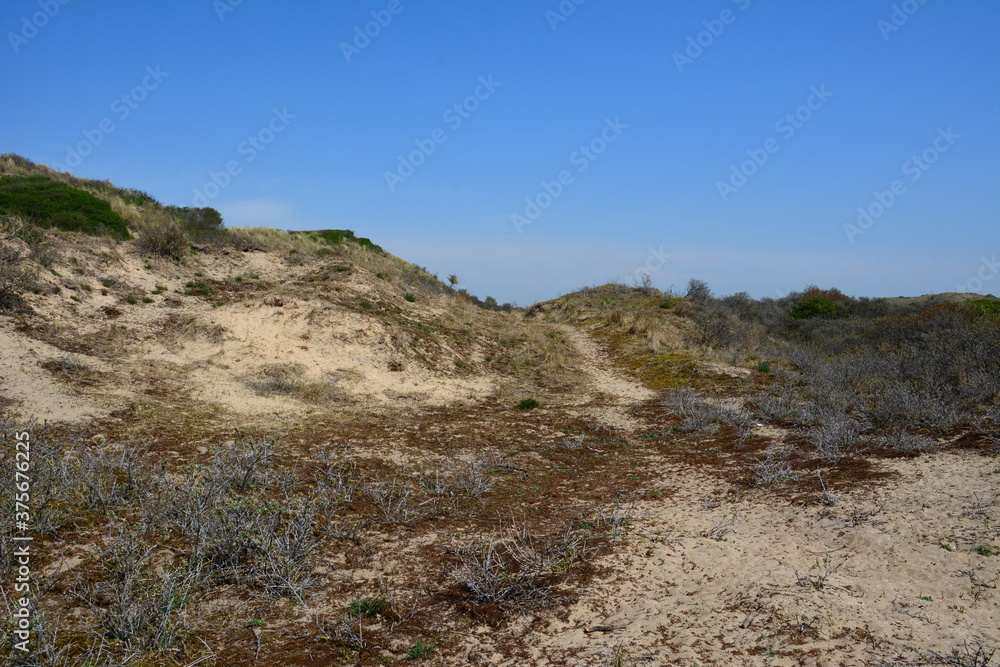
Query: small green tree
[453, 280]
[824, 303]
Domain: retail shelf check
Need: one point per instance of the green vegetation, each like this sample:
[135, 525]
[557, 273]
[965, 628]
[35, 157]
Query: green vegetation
[368, 607]
[409, 296]
[528, 404]
[334, 237]
[987, 307]
[420, 650]
[48, 203]
[197, 288]
[201, 224]
[819, 303]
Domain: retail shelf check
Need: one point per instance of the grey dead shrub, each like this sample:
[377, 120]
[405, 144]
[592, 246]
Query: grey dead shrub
[698, 412]
[907, 442]
[818, 576]
[55, 493]
[285, 565]
[721, 528]
[743, 434]
[513, 571]
[231, 536]
[336, 483]
[110, 476]
[136, 599]
[829, 496]
[46, 647]
[295, 258]
[245, 463]
[612, 521]
[771, 469]
[836, 440]
[777, 404]
[246, 539]
[181, 503]
[336, 477]
[615, 656]
[571, 443]
[976, 655]
[69, 364]
[470, 474]
[242, 520]
[395, 501]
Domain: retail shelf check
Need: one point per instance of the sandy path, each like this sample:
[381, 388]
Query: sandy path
[611, 390]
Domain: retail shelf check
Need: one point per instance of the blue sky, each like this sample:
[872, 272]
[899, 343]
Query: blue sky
[533, 148]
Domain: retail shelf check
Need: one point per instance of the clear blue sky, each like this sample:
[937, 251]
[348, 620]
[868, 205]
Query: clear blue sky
[869, 85]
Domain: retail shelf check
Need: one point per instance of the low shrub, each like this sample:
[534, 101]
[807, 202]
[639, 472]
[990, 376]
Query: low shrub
[163, 237]
[49, 203]
[368, 607]
[17, 277]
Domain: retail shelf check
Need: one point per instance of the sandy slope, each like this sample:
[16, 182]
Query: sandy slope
[677, 597]
[27, 384]
[216, 350]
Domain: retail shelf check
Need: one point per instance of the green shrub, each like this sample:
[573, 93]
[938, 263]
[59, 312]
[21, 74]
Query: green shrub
[197, 288]
[528, 404]
[410, 297]
[68, 221]
[48, 203]
[987, 307]
[420, 650]
[368, 607]
[816, 302]
[334, 237]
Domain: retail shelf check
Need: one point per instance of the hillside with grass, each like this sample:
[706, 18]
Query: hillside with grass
[260, 447]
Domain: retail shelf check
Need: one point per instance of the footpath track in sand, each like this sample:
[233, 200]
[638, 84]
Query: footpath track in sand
[611, 392]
